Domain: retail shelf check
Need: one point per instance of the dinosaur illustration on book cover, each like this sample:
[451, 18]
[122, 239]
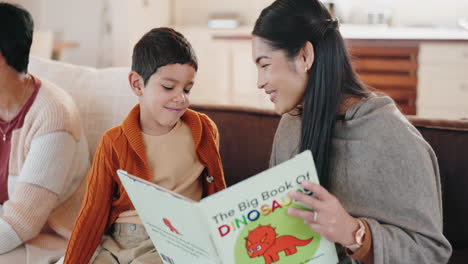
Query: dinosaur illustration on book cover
[263, 241]
[170, 226]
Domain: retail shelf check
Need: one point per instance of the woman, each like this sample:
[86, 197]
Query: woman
[380, 199]
[43, 152]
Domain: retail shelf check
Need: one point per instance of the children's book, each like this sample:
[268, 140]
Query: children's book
[246, 223]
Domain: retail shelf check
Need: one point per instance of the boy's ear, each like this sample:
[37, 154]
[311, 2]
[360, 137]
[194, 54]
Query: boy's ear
[136, 83]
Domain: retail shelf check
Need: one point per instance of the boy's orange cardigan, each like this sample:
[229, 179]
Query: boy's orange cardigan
[122, 148]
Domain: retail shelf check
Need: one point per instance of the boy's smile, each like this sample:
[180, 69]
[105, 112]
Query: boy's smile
[174, 110]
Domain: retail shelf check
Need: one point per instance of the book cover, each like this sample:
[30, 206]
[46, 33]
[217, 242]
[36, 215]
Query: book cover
[246, 223]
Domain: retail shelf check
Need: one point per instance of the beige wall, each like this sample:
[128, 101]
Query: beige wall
[190, 12]
[130, 20]
[84, 21]
[106, 30]
[76, 21]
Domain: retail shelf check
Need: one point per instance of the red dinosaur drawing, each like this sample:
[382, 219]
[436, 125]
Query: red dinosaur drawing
[170, 226]
[262, 241]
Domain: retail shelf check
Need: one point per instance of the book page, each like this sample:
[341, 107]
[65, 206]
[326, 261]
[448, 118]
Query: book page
[249, 223]
[173, 222]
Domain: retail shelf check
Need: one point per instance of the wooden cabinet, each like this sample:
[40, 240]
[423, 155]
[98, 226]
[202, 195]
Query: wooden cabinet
[388, 67]
[443, 80]
[425, 78]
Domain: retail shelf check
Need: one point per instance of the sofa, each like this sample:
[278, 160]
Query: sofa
[104, 98]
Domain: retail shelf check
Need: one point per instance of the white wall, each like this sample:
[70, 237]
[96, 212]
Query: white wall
[445, 12]
[32, 6]
[130, 20]
[190, 12]
[106, 30]
[76, 21]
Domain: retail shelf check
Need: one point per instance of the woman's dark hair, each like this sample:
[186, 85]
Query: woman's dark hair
[287, 25]
[16, 34]
[160, 47]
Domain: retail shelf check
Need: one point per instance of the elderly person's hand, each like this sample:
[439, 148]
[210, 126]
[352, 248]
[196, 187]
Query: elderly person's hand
[328, 218]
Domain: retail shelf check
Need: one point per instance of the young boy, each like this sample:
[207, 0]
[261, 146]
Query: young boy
[161, 140]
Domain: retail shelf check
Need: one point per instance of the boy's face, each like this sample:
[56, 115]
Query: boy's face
[165, 98]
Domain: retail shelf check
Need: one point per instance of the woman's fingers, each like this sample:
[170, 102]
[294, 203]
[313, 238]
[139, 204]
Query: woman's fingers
[308, 200]
[320, 192]
[328, 216]
[304, 214]
[317, 228]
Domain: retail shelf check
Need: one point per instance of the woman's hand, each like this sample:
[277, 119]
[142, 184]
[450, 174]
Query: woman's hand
[330, 219]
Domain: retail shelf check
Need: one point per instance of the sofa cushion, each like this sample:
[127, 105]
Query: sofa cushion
[449, 139]
[459, 256]
[246, 138]
[103, 96]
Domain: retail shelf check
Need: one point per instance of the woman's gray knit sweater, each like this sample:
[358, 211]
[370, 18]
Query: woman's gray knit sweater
[382, 170]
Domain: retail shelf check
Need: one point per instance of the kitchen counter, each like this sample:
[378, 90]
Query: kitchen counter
[403, 33]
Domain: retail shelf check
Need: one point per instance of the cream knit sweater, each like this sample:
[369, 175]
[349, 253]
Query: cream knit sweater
[48, 160]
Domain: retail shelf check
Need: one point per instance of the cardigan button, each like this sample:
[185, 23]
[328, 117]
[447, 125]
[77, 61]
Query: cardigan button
[209, 179]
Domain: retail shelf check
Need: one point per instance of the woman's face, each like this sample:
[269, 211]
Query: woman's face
[283, 78]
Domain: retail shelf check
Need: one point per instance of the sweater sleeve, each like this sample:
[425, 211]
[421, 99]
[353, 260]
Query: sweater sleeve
[214, 129]
[93, 218]
[364, 254]
[9, 240]
[26, 213]
[413, 233]
[41, 180]
[216, 135]
[402, 199]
